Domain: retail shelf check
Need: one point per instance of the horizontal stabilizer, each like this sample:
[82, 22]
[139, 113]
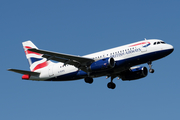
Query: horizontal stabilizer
[24, 72]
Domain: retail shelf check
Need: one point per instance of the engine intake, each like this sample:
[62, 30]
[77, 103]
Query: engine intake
[134, 73]
[103, 64]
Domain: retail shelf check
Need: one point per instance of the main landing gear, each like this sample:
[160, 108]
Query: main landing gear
[88, 80]
[150, 67]
[111, 85]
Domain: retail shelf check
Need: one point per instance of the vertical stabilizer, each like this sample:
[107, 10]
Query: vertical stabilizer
[36, 61]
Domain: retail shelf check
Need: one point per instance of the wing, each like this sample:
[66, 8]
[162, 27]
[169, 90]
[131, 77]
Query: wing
[77, 61]
[24, 72]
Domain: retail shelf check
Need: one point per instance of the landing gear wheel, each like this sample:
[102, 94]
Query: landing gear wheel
[150, 67]
[111, 85]
[88, 80]
[151, 70]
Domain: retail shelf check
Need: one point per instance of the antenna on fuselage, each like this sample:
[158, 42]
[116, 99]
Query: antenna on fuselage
[144, 38]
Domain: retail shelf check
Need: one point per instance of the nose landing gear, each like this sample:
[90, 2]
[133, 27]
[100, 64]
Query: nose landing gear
[150, 67]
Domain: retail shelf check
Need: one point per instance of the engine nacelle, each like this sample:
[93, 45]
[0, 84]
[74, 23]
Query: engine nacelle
[134, 73]
[103, 64]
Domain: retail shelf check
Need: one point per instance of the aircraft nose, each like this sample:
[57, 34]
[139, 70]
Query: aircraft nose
[170, 49]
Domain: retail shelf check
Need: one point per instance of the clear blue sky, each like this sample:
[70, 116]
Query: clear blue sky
[81, 27]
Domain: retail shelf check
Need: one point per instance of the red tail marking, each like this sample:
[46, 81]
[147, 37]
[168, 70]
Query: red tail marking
[30, 52]
[44, 64]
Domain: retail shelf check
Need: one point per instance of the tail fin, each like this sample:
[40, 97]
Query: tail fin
[36, 61]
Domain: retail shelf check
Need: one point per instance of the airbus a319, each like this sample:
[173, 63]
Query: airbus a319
[118, 62]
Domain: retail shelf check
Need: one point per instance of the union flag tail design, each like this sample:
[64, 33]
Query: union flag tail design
[36, 61]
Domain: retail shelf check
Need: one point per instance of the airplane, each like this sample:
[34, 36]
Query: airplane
[118, 62]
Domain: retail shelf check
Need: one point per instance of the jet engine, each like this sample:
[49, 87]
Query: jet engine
[103, 64]
[134, 73]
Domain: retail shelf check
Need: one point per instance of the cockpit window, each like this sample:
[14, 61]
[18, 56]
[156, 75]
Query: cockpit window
[160, 42]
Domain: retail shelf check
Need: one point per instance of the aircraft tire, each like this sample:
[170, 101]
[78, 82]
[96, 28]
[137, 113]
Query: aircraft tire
[151, 70]
[111, 85]
[88, 80]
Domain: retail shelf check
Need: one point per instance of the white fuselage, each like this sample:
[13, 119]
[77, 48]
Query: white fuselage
[135, 53]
